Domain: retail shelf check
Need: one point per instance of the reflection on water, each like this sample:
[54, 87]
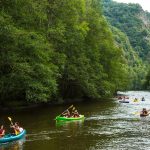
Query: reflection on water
[16, 145]
[69, 124]
[43, 135]
[109, 125]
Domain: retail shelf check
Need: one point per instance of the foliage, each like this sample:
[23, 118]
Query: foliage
[57, 49]
[133, 21]
[27, 70]
[132, 34]
[147, 83]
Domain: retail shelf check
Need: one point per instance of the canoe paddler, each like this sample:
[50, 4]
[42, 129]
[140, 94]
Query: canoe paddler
[66, 113]
[17, 128]
[2, 131]
[75, 114]
[144, 112]
[135, 100]
[143, 99]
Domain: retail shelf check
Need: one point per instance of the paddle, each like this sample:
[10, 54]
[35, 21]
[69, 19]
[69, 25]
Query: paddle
[73, 108]
[137, 113]
[66, 109]
[10, 120]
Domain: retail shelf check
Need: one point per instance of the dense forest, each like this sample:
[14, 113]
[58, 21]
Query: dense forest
[132, 21]
[147, 82]
[51, 50]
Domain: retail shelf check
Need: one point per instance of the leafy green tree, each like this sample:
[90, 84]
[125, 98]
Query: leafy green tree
[134, 23]
[85, 38]
[58, 49]
[147, 83]
[27, 66]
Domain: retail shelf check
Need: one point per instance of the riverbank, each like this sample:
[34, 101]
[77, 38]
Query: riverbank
[21, 105]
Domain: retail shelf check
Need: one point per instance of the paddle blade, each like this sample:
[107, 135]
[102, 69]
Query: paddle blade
[136, 113]
[9, 119]
[70, 106]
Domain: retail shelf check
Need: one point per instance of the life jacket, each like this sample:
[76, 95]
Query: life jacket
[75, 115]
[17, 131]
[145, 112]
[1, 132]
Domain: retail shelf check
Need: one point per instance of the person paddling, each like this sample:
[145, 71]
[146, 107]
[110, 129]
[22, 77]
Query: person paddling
[144, 112]
[66, 113]
[17, 128]
[143, 99]
[135, 100]
[75, 114]
[2, 131]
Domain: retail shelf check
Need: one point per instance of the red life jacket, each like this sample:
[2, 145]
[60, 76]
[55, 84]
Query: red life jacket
[75, 115]
[1, 132]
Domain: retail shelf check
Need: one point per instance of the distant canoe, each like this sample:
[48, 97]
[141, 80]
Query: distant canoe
[70, 118]
[124, 101]
[135, 101]
[11, 137]
[144, 115]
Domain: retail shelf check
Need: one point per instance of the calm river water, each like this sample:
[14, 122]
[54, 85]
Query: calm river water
[108, 125]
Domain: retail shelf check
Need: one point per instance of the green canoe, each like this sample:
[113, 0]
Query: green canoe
[70, 118]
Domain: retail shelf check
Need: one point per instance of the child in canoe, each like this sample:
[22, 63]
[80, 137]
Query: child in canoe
[2, 131]
[75, 114]
[17, 128]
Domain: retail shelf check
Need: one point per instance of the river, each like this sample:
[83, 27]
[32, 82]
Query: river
[109, 125]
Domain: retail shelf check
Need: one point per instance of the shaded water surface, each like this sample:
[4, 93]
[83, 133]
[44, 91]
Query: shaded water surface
[107, 126]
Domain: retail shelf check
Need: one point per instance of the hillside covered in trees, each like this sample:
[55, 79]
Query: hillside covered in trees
[132, 21]
[53, 49]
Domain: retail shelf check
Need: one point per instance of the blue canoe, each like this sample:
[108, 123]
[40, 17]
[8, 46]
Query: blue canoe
[11, 137]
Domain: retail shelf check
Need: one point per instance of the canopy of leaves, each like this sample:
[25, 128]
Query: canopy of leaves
[147, 83]
[57, 49]
[132, 33]
[133, 21]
